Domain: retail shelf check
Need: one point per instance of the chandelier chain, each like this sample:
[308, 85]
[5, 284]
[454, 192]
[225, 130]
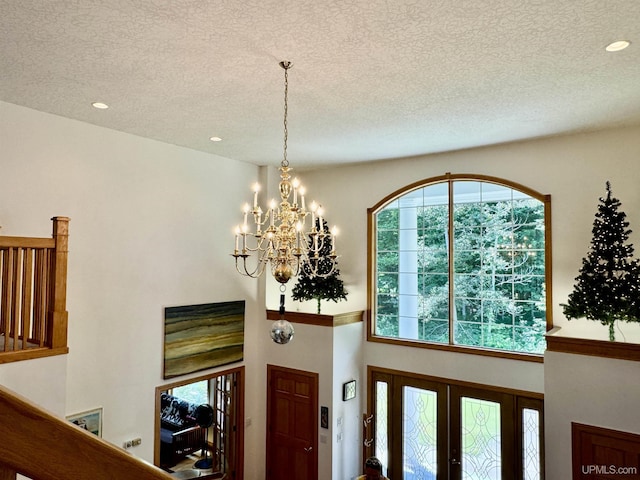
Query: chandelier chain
[286, 66]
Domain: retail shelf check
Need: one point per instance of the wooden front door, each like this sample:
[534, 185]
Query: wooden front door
[292, 424]
[603, 454]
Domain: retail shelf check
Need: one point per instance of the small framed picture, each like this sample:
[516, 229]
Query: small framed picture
[349, 390]
[90, 420]
[324, 417]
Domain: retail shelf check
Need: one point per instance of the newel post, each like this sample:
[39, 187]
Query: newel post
[58, 318]
[7, 473]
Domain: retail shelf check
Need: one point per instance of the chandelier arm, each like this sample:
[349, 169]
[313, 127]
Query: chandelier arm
[257, 248]
[314, 269]
[256, 272]
[244, 270]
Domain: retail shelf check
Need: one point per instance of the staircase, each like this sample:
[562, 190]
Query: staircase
[42, 446]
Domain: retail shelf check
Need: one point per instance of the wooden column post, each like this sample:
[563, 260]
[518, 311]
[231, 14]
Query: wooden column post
[7, 473]
[58, 318]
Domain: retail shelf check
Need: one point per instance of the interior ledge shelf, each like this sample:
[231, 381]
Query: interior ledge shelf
[318, 319]
[594, 348]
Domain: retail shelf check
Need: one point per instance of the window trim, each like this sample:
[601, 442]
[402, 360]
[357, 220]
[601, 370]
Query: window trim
[371, 262]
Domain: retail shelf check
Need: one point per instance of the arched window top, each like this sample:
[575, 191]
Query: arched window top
[412, 190]
[461, 261]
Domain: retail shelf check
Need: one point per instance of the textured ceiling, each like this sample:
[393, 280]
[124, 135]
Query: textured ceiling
[372, 79]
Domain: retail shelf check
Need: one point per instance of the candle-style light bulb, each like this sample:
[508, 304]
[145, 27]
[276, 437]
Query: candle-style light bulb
[237, 232]
[334, 234]
[245, 210]
[296, 184]
[320, 212]
[258, 213]
[298, 234]
[314, 207]
[302, 191]
[256, 189]
[244, 238]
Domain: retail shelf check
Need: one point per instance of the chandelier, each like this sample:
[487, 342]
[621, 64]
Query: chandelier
[280, 237]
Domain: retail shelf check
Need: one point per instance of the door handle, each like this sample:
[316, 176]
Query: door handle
[308, 449]
[453, 460]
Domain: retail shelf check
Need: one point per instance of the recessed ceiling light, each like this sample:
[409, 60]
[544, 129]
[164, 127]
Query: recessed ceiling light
[215, 139]
[100, 105]
[617, 46]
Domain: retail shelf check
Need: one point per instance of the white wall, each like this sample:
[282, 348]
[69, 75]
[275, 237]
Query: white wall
[311, 350]
[346, 421]
[41, 380]
[573, 169]
[335, 354]
[151, 227]
[590, 390]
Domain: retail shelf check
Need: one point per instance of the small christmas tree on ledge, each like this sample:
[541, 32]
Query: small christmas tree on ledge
[329, 287]
[608, 285]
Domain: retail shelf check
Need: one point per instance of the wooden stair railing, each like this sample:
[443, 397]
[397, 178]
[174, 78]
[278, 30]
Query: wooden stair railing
[33, 295]
[41, 446]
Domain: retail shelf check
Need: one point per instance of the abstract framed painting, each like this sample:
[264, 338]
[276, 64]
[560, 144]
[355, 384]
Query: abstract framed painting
[198, 337]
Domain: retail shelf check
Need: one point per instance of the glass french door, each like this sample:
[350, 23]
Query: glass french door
[433, 430]
[481, 425]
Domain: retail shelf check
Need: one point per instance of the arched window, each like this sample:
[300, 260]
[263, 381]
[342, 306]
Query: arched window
[461, 261]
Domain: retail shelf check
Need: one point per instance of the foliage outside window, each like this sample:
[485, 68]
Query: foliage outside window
[462, 261]
[196, 393]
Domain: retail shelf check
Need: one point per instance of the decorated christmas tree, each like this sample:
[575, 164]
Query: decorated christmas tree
[325, 285]
[608, 283]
